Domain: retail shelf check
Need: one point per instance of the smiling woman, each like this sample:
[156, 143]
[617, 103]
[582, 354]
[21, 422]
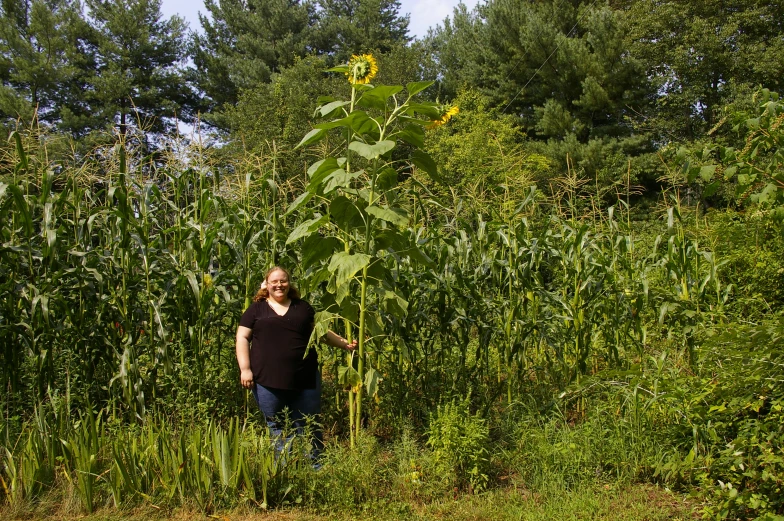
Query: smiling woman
[273, 355]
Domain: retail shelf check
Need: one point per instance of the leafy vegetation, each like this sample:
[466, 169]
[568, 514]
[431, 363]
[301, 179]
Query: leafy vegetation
[559, 282]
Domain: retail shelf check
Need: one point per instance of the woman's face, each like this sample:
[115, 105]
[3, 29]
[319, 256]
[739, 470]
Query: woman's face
[278, 285]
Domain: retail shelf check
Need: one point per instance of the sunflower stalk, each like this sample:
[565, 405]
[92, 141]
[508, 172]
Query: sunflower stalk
[355, 206]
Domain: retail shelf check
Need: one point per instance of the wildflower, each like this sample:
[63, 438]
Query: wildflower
[447, 111]
[361, 69]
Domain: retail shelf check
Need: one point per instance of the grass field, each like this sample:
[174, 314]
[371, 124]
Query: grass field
[600, 502]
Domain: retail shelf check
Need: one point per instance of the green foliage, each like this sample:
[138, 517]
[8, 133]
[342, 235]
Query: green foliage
[695, 283]
[122, 275]
[81, 455]
[140, 78]
[205, 464]
[179, 468]
[347, 27]
[278, 113]
[46, 63]
[748, 414]
[271, 117]
[552, 452]
[753, 166]
[694, 65]
[479, 153]
[418, 475]
[751, 245]
[131, 288]
[349, 479]
[121, 65]
[560, 67]
[726, 423]
[459, 442]
[113, 286]
[243, 44]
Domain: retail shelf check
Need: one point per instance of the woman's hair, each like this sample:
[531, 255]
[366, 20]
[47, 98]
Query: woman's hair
[263, 292]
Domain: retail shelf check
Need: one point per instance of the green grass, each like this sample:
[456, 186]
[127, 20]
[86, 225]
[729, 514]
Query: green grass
[599, 502]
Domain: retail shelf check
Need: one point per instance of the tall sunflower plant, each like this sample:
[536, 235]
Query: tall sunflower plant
[357, 232]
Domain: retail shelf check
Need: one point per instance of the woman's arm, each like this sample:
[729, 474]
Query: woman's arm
[244, 334]
[336, 340]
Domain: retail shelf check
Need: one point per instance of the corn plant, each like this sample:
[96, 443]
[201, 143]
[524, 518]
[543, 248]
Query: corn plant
[694, 282]
[130, 279]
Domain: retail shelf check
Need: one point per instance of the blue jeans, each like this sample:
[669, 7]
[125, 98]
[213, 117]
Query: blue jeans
[294, 406]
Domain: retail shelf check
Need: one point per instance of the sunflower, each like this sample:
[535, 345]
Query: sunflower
[361, 69]
[447, 111]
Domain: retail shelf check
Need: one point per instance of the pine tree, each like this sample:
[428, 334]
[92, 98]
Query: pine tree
[140, 75]
[347, 27]
[45, 60]
[560, 66]
[244, 43]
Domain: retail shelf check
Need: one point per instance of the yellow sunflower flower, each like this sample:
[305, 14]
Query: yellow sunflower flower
[447, 111]
[361, 69]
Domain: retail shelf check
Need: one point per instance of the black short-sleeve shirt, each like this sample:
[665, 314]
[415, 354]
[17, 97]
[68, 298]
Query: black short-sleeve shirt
[279, 344]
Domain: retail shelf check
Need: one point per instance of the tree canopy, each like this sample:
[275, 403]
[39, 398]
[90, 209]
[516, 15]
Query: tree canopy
[598, 88]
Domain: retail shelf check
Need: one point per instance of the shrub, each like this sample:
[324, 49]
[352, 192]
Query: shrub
[745, 421]
[459, 442]
[726, 428]
[349, 479]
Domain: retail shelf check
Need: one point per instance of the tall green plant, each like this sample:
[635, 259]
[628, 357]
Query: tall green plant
[356, 231]
[695, 291]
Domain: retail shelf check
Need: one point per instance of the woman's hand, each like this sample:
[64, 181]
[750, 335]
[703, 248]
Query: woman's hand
[246, 378]
[244, 335]
[336, 340]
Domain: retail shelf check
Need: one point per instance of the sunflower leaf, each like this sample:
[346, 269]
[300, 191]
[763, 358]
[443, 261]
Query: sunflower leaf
[371, 151]
[314, 136]
[376, 97]
[417, 87]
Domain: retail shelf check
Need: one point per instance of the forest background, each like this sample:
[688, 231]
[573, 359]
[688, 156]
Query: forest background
[561, 249]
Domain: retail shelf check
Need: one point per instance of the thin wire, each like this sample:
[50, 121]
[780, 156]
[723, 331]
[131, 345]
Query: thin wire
[551, 55]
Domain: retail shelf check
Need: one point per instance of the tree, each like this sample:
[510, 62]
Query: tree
[45, 60]
[281, 112]
[347, 27]
[455, 49]
[244, 43]
[140, 72]
[699, 53]
[481, 155]
[561, 67]
[753, 165]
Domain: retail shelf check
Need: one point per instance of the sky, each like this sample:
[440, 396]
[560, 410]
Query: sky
[424, 13]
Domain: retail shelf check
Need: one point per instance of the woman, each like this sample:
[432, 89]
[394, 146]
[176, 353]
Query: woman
[282, 376]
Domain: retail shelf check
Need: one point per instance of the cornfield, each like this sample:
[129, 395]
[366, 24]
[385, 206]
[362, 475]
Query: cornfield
[122, 289]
